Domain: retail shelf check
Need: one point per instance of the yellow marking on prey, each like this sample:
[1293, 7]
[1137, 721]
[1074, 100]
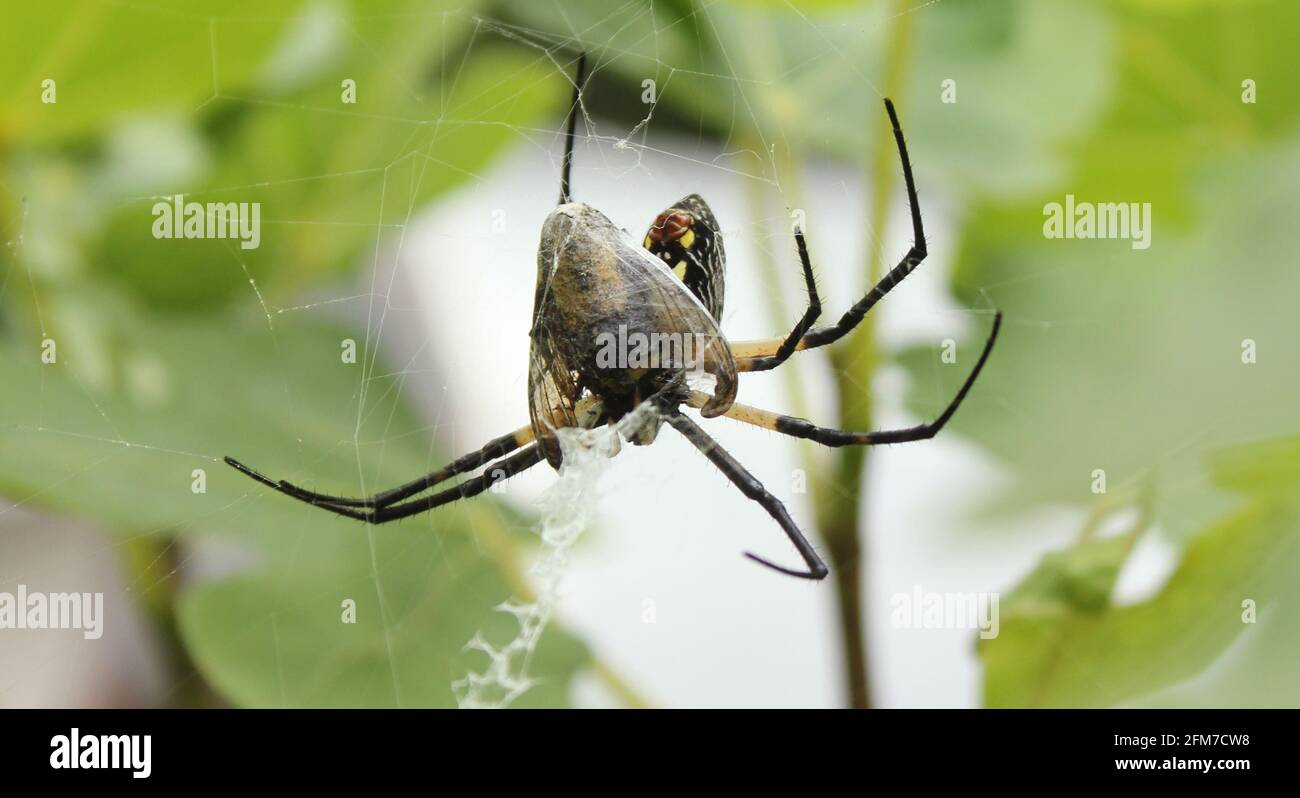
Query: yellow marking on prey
[688, 239]
[648, 242]
[680, 270]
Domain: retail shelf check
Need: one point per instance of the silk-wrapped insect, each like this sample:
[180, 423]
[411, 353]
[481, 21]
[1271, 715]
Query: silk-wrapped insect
[618, 323]
[613, 322]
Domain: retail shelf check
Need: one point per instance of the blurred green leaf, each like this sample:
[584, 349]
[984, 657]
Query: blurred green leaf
[1078, 579]
[110, 59]
[136, 402]
[281, 641]
[1170, 323]
[1181, 69]
[1058, 646]
[175, 397]
[805, 78]
[1257, 669]
[807, 5]
[332, 177]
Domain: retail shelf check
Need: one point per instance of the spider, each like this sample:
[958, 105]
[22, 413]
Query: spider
[593, 279]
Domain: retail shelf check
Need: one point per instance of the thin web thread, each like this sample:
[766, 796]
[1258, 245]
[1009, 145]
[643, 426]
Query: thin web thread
[566, 507]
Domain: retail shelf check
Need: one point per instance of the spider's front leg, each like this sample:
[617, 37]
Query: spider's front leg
[388, 506]
[753, 489]
[498, 447]
[795, 340]
[768, 354]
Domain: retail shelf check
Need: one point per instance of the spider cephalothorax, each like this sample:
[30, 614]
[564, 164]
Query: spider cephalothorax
[687, 239]
[618, 322]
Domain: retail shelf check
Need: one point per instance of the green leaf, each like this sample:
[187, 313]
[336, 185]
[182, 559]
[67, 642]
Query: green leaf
[107, 60]
[331, 177]
[806, 79]
[1121, 359]
[1257, 669]
[1062, 646]
[172, 397]
[1125, 360]
[281, 641]
[1079, 579]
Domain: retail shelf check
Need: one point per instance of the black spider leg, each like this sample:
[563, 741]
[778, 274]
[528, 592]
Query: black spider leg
[501, 469]
[572, 124]
[495, 448]
[810, 315]
[800, 428]
[826, 335]
[753, 489]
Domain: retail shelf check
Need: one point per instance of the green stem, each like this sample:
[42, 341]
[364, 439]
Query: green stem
[855, 362]
[152, 560]
[618, 686]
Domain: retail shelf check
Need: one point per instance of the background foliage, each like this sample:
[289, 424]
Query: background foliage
[1116, 359]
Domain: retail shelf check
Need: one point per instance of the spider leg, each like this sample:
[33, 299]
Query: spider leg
[810, 316]
[495, 448]
[762, 355]
[753, 489]
[799, 428]
[572, 127]
[501, 469]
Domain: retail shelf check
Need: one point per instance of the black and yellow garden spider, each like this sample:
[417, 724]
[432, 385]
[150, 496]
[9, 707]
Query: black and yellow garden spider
[595, 282]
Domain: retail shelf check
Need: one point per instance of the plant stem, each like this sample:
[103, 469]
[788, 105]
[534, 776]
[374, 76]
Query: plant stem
[855, 362]
[618, 686]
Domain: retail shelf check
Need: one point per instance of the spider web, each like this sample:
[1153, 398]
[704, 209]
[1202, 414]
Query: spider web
[444, 306]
